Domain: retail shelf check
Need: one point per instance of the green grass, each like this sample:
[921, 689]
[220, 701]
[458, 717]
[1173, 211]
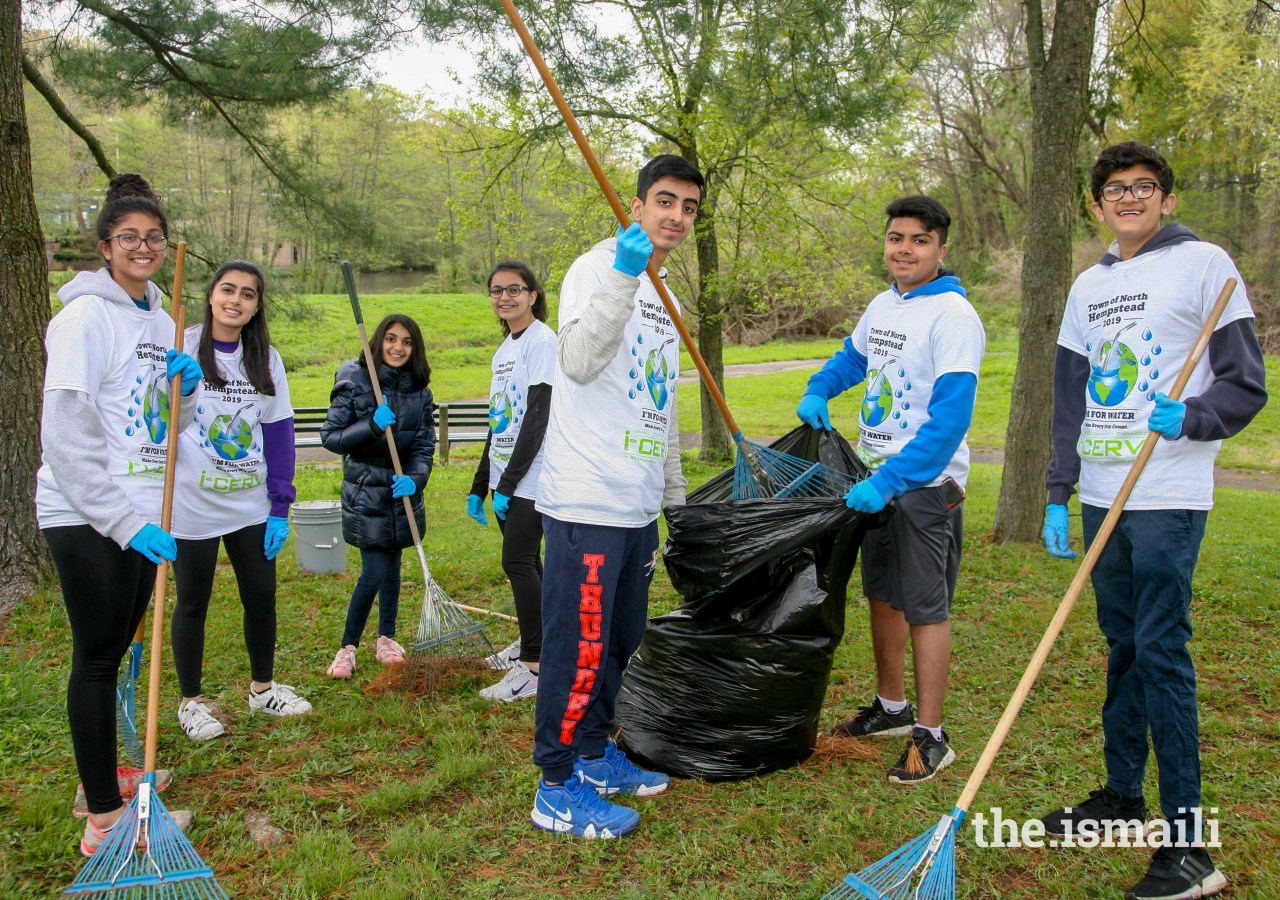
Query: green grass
[384, 797]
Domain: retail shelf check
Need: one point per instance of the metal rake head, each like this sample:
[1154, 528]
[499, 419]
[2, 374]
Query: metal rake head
[448, 640]
[924, 869]
[777, 474]
[147, 857]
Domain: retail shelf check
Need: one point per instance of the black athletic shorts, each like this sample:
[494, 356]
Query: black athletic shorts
[912, 562]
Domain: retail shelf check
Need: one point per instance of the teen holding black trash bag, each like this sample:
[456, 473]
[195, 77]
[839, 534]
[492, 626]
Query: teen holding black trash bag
[519, 407]
[98, 494]
[234, 487]
[919, 347]
[373, 515]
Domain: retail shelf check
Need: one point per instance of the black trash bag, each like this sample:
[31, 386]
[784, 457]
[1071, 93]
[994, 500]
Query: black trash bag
[731, 684]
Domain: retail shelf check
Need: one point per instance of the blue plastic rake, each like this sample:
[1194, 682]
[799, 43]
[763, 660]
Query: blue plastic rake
[925, 869]
[126, 705]
[776, 474]
[146, 856]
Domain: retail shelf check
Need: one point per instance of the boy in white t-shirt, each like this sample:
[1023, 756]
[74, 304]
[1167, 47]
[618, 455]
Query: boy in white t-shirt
[918, 347]
[612, 461]
[1129, 326]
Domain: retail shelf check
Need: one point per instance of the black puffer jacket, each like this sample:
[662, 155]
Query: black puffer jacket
[371, 518]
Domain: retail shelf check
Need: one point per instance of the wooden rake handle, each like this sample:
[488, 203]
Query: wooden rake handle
[166, 515]
[348, 276]
[624, 216]
[1086, 567]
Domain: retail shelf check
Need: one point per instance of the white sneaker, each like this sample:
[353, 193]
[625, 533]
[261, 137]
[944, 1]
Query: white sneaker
[278, 700]
[198, 722]
[517, 684]
[504, 658]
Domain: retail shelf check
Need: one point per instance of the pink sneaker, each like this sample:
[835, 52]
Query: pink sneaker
[389, 652]
[128, 778]
[344, 663]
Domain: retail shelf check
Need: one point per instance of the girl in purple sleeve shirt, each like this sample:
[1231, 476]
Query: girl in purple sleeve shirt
[234, 486]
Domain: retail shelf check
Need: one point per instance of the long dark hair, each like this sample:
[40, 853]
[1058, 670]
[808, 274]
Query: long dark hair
[531, 282]
[129, 194]
[419, 370]
[255, 340]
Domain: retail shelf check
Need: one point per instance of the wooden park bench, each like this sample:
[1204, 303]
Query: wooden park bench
[465, 422]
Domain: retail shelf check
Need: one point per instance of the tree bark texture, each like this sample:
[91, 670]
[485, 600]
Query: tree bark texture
[1059, 95]
[24, 296]
[716, 443]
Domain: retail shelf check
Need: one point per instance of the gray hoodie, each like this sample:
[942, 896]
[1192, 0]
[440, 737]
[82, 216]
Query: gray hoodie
[73, 439]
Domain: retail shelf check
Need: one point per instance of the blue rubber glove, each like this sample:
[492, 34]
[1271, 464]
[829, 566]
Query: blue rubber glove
[154, 543]
[1055, 532]
[813, 412]
[634, 250]
[403, 486]
[501, 503]
[475, 508]
[277, 534]
[865, 497]
[1167, 418]
[187, 367]
[383, 417]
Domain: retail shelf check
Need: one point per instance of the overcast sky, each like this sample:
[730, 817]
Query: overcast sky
[445, 71]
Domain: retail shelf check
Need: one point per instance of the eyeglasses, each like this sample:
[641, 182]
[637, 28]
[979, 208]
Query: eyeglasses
[513, 290]
[129, 241]
[1113, 193]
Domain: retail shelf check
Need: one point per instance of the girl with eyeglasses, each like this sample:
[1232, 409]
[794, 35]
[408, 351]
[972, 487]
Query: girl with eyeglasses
[234, 486]
[519, 407]
[373, 514]
[105, 425]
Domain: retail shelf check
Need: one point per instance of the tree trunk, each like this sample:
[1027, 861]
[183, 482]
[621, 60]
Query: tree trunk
[716, 443]
[1059, 93]
[24, 297]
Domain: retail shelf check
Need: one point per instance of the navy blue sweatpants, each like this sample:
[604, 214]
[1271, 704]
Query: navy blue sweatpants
[595, 601]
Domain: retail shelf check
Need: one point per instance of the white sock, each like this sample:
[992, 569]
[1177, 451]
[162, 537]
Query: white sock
[892, 707]
[936, 732]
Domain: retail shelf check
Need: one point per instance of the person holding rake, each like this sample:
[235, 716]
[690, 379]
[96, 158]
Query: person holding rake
[918, 347]
[519, 407]
[234, 486]
[1129, 326]
[612, 462]
[99, 490]
[373, 515]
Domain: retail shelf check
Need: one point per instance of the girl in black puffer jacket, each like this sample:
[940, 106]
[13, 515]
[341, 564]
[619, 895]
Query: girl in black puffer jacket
[373, 515]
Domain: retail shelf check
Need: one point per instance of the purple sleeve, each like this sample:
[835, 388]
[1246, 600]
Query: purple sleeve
[280, 455]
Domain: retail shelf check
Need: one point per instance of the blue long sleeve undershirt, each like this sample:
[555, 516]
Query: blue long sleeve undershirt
[927, 454]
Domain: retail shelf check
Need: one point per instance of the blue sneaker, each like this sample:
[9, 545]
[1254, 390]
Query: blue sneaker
[614, 773]
[574, 807]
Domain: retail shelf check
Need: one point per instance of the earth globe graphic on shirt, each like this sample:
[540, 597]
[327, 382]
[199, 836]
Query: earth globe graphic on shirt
[1113, 372]
[500, 412]
[230, 436]
[656, 375]
[877, 402]
[155, 407]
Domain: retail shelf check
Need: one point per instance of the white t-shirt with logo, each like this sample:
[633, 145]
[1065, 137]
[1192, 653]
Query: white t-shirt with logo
[518, 364]
[1137, 321]
[607, 440]
[221, 483]
[909, 344]
[115, 353]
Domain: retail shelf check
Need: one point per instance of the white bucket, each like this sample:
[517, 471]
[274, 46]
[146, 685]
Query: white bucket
[317, 524]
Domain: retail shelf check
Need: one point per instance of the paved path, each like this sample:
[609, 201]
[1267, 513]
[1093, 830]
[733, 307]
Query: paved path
[763, 368]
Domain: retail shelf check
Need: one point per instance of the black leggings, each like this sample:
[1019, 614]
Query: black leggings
[106, 591]
[193, 571]
[522, 561]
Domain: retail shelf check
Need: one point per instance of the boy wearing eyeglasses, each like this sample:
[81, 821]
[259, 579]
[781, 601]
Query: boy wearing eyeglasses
[612, 462]
[1130, 323]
